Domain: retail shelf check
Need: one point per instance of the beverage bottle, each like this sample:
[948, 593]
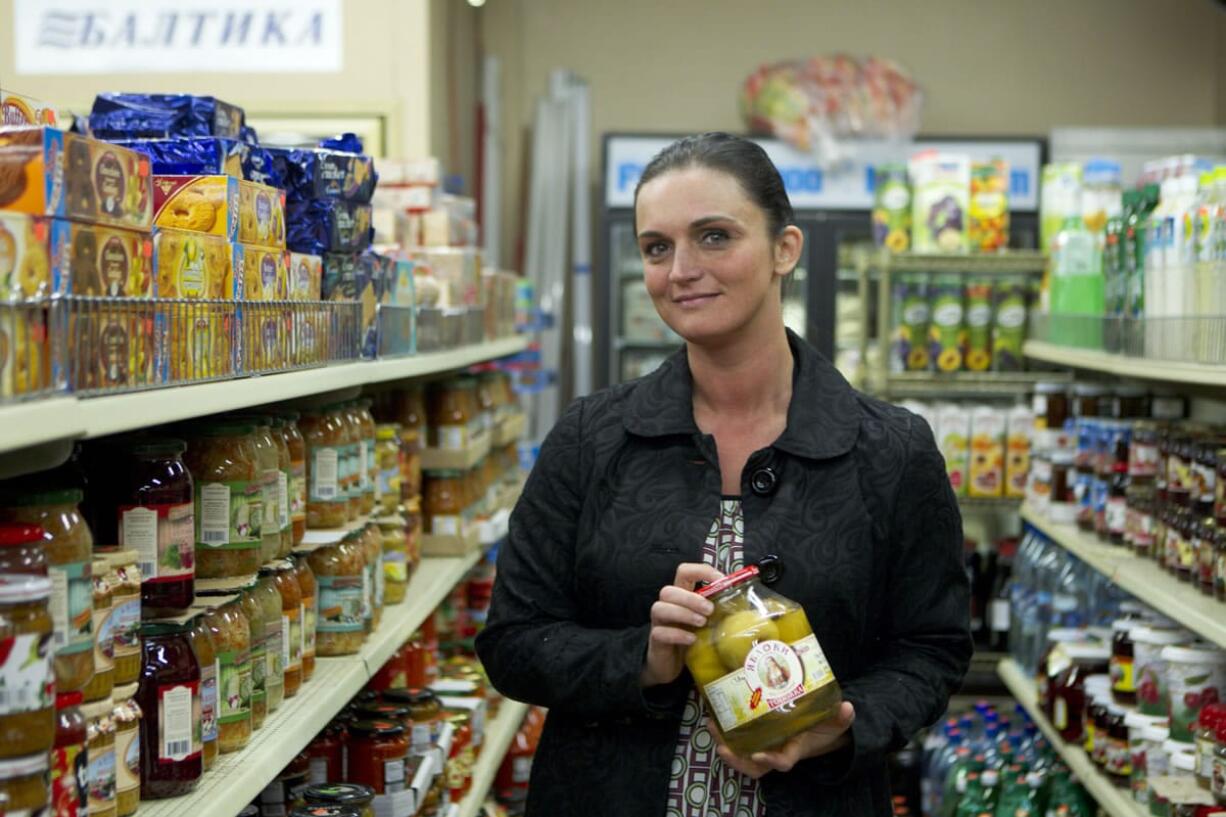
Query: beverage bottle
[972, 800]
[1175, 296]
[934, 747]
[1000, 597]
[1200, 273]
[1077, 290]
[954, 784]
[1160, 259]
[940, 772]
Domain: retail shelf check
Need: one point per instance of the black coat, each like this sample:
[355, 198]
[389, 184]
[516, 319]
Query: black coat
[852, 498]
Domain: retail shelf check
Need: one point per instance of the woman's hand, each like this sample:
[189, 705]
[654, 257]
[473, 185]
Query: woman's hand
[674, 617]
[825, 737]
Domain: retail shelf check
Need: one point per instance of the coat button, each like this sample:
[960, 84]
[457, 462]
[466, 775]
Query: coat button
[770, 568]
[764, 481]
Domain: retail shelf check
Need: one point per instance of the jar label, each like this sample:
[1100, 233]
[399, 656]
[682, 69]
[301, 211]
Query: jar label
[101, 779]
[229, 515]
[294, 619]
[1150, 680]
[363, 466]
[104, 642]
[69, 781]
[1122, 679]
[259, 666]
[395, 566]
[452, 438]
[368, 589]
[233, 686]
[127, 760]
[1116, 758]
[298, 491]
[72, 607]
[1059, 714]
[309, 612]
[283, 511]
[389, 481]
[163, 536]
[1143, 459]
[269, 501]
[1186, 549]
[1116, 513]
[208, 702]
[178, 704]
[1190, 686]
[340, 604]
[27, 674]
[286, 649]
[774, 675]
[445, 525]
[348, 471]
[325, 474]
[393, 775]
[274, 651]
[1217, 783]
[1204, 481]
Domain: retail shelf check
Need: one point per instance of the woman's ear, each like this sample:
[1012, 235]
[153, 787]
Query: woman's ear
[789, 245]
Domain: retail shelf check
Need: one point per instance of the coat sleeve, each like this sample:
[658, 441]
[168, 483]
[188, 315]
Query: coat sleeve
[926, 647]
[533, 646]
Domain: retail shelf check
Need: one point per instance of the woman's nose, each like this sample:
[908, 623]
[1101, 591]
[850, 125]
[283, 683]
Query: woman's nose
[685, 266]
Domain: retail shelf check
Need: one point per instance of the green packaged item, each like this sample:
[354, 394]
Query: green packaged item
[940, 202]
[911, 317]
[1144, 202]
[1010, 297]
[978, 325]
[892, 208]
[1059, 198]
[947, 331]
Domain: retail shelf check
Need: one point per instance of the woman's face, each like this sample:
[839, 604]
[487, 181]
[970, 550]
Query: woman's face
[710, 264]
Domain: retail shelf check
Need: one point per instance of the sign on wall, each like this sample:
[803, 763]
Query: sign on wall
[169, 36]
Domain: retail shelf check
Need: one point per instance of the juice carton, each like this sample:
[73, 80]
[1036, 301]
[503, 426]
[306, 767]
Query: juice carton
[942, 184]
[989, 209]
[1019, 429]
[892, 208]
[987, 461]
[953, 432]
[1059, 198]
[1009, 298]
[947, 332]
[978, 324]
[911, 315]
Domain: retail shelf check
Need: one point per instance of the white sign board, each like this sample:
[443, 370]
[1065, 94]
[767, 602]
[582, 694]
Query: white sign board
[849, 187]
[169, 36]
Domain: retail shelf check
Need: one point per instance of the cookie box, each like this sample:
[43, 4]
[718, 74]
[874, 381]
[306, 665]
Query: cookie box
[316, 173]
[357, 277]
[192, 155]
[24, 350]
[113, 347]
[328, 226]
[198, 341]
[88, 259]
[130, 116]
[306, 274]
[191, 265]
[234, 209]
[16, 109]
[25, 256]
[260, 273]
[49, 172]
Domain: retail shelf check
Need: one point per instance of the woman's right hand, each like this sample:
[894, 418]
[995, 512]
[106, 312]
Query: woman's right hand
[674, 617]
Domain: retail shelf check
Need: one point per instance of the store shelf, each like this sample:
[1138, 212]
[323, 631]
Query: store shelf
[1008, 263]
[1140, 577]
[1113, 801]
[967, 384]
[26, 424]
[1166, 371]
[498, 736]
[238, 778]
[996, 503]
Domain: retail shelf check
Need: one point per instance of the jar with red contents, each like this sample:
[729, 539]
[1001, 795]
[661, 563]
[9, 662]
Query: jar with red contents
[156, 518]
[1117, 761]
[377, 751]
[326, 755]
[69, 758]
[460, 760]
[21, 549]
[392, 675]
[425, 712]
[1067, 689]
[171, 760]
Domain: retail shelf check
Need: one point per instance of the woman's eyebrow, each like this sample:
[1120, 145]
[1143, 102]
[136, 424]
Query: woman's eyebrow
[697, 223]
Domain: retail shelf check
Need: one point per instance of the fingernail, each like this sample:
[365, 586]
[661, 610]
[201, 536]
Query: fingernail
[707, 607]
[699, 621]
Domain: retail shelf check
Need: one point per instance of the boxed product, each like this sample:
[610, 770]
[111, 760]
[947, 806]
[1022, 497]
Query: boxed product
[260, 273]
[892, 208]
[25, 256]
[235, 209]
[1010, 297]
[45, 171]
[987, 462]
[316, 173]
[1059, 198]
[947, 329]
[306, 274]
[197, 341]
[402, 288]
[1017, 450]
[328, 226]
[357, 277]
[988, 225]
[192, 155]
[192, 265]
[942, 183]
[16, 109]
[953, 431]
[978, 324]
[24, 351]
[88, 259]
[458, 272]
[114, 347]
[134, 116]
[911, 317]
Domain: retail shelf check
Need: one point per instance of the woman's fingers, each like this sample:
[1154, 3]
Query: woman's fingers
[689, 574]
[742, 764]
[672, 636]
[692, 604]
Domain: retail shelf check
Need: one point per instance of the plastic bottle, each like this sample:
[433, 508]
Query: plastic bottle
[935, 745]
[940, 771]
[1077, 287]
[1181, 271]
[954, 784]
[1160, 259]
[1198, 277]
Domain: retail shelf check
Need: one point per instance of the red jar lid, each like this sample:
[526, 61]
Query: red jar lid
[382, 729]
[732, 580]
[13, 535]
[67, 700]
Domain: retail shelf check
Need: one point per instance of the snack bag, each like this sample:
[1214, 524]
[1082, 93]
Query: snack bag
[953, 431]
[1018, 433]
[979, 324]
[911, 316]
[989, 206]
[942, 183]
[947, 332]
[987, 464]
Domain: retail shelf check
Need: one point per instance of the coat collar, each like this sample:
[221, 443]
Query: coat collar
[823, 417]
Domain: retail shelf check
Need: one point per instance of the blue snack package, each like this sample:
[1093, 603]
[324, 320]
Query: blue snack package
[154, 116]
[247, 134]
[353, 277]
[191, 155]
[258, 166]
[324, 226]
[324, 174]
[344, 142]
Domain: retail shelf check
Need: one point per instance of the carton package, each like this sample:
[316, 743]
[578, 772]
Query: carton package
[987, 461]
[458, 272]
[1017, 450]
[89, 259]
[942, 183]
[953, 435]
[305, 276]
[234, 209]
[25, 257]
[260, 273]
[17, 109]
[988, 228]
[192, 265]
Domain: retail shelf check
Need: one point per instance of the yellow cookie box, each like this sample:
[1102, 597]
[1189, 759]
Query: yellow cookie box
[260, 273]
[192, 265]
[25, 256]
[234, 209]
[306, 274]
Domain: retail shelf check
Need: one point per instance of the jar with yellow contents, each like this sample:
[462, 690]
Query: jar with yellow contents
[27, 709]
[127, 716]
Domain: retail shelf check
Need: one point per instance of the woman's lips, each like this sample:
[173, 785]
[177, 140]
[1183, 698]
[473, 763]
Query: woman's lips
[691, 301]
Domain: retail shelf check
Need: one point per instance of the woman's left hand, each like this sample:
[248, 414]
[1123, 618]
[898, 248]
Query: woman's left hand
[826, 737]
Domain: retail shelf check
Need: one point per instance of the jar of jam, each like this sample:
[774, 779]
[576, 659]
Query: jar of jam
[389, 456]
[69, 760]
[297, 486]
[342, 794]
[126, 595]
[1053, 661]
[1140, 526]
[126, 716]
[395, 559]
[229, 499]
[412, 532]
[353, 473]
[308, 592]
[377, 751]
[291, 622]
[453, 414]
[1117, 504]
[1130, 403]
[1148, 643]
[443, 503]
[392, 674]
[369, 469]
[463, 755]
[339, 571]
[23, 785]
[1204, 470]
[325, 436]
[1117, 763]
[1067, 688]
[156, 518]
[169, 696]
[27, 712]
[1207, 723]
[274, 639]
[326, 755]
[379, 710]
[103, 680]
[100, 749]
[425, 713]
[21, 549]
[1098, 695]
[206, 655]
[69, 549]
[1051, 410]
[1062, 508]
[231, 635]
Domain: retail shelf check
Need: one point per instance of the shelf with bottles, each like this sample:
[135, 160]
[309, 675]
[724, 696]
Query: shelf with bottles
[1144, 368]
[499, 733]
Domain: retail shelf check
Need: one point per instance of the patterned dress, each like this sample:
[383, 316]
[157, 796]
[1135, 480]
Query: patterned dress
[701, 784]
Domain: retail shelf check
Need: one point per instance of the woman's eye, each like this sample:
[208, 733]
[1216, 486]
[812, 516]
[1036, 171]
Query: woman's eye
[714, 238]
[655, 249]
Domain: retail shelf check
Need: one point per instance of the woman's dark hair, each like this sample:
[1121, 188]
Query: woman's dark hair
[740, 158]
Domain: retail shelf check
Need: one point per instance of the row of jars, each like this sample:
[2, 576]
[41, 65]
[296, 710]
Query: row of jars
[453, 500]
[451, 414]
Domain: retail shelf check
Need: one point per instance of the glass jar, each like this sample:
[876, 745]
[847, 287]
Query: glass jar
[1051, 410]
[389, 466]
[274, 639]
[1117, 763]
[325, 437]
[231, 636]
[326, 755]
[268, 466]
[1062, 508]
[156, 518]
[307, 591]
[69, 761]
[1137, 724]
[126, 716]
[1219, 565]
[285, 467]
[339, 571]
[342, 794]
[1218, 784]
[27, 711]
[327, 811]
[377, 751]
[1130, 403]
[443, 502]
[1211, 716]
[103, 679]
[1087, 398]
[395, 559]
[460, 761]
[229, 499]
[69, 549]
[413, 531]
[1191, 677]
[1204, 543]
[1123, 677]
[23, 785]
[370, 469]
[1140, 525]
[1067, 688]
[411, 413]
[297, 473]
[100, 750]
[206, 655]
[1143, 454]
[453, 413]
[284, 794]
[425, 711]
[1148, 643]
[126, 599]
[21, 549]
[253, 611]
[291, 623]
[372, 549]
[755, 630]
[352, 472]
[169, 697]
[392, 674]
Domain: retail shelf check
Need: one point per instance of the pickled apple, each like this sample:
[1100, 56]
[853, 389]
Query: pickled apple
[738, 633]
[791, 621]
[703, 659]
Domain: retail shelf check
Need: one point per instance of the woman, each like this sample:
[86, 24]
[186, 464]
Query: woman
[745, 447]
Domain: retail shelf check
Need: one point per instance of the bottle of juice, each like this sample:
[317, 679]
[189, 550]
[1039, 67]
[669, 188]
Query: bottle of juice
[1136, 232]
[1077, 287]
[1159, 261]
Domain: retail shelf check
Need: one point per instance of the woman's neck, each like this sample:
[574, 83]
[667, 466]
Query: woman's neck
[749, 378]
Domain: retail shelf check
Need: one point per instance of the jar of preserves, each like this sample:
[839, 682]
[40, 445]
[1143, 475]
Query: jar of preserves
[389, 466]
[1218, 783]
[392, 674]
[268, 468]
[21, 549]
[353, 795]
[1117, 762]
[1139, 524]
[23, 785]
[308, 591]
[453, 414]
[486, 406]
[169, 697]
[231, 636]
[229, 499]
[285, 467]
[369, 462]
[205, 729]
[1148, 642]
[1204, 471]
[351, 470]
[275, 638]
[395, 559]
[1089, 400]
[100, 749]
[103, 680]
[283, 573]
[458, 767]
[69, 761]
[326, 754]
[1123, 678]
[339, 571]
[297, 474]
[1193, 676]
[1207, 723]
[1051, 410]
[372, 548]
[69, 549]
[443, 503]
[325, 436]
[425, 712]
[126, 595]
[1219, 564]
[412, 531]
[253, 611]
[377, 751]
[757, 635]
[1067, 689]
[1062, 508]
[410, 412]
[156, 518]
[1143, 455]
[27, 675]
[127, 717]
